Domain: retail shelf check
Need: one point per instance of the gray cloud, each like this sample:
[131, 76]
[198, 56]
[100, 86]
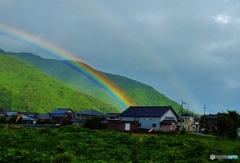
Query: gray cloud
[187, 50]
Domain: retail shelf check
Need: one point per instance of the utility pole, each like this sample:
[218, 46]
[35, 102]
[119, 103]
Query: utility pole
[204, 116]
[181, 112]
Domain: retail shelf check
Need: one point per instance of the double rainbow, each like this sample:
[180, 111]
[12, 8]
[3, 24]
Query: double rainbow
[55, 51]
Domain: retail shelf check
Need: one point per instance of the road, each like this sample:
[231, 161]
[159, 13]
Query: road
[199, 133]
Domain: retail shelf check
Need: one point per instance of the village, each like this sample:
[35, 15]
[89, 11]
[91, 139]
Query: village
[134, 118]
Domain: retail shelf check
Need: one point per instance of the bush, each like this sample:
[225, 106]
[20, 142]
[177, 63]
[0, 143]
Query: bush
[94, 123]
[3, 120]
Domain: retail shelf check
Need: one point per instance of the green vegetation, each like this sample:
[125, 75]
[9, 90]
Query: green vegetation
[143, 94]
[23, 87]
[140, 93]
[75, 144]
[225, 125]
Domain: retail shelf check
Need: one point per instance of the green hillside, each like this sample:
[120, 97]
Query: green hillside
[143, 94]
[23, 87]
[140, 93]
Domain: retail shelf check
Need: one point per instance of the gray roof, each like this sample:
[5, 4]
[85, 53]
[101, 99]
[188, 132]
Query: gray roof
[90, 112]
[11, 113]
[43, 116]
[29, 119]
[147, 111]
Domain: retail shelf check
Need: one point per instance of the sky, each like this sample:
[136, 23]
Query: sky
[188, 50]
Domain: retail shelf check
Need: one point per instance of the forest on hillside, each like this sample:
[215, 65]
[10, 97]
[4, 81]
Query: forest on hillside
[138, 92]
[23, 87]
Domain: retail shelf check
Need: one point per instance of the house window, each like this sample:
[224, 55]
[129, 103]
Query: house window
[139, 124]
[154, 125]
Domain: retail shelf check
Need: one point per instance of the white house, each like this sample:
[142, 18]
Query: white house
[147, 117]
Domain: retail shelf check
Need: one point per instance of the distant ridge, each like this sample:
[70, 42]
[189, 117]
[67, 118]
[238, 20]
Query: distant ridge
[140, 93]
[1, 51]
[23, 87]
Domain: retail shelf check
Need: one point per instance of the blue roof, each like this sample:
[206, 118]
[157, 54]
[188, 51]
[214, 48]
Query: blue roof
[59, 115]
[146, 111]
[29, 119]
[91, 112]
[77, 120]
[11, 113]
[62, 111]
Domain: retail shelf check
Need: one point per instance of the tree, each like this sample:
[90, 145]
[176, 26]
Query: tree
[94, 123]
[202, 118]
[5, 97]
[222, 124]
[227, 124]
[3, 120]
[233, 125]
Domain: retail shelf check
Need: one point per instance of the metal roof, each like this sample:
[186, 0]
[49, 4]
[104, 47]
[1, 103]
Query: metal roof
[62, 111]
[90, 112]
[147, 111]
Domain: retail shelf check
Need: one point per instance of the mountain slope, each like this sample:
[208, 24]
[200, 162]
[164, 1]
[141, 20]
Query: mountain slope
[140, 93]
[23, 87]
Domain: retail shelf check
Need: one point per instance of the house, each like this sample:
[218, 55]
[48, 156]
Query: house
[17, 117]
[30, 114]
[43, 118]
[62, 115]
[145, 117]
[187, 121]
[29, 120]
[80, 117]
[113, 116]
[196, 123]
[3, 115]
[3, 112]
[9, 114]
[29, 117]
[211, 120]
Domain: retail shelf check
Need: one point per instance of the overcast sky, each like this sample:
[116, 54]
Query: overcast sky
[187, 50]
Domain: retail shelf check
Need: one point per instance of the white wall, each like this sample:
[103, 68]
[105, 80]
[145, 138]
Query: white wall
[147, 122]
[169, 113]
[129, 118]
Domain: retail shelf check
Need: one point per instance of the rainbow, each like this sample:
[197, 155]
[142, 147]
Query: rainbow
[55, 51]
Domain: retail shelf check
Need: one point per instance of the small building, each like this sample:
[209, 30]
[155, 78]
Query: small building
[18, 117]
[30, 114]
[113, 116]
[187, 122]
[43, 119]
[211, 120]
[62, 115]
[3, 112]
[115, 124]
[145, 117]
[29, 120]
[81, 116]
